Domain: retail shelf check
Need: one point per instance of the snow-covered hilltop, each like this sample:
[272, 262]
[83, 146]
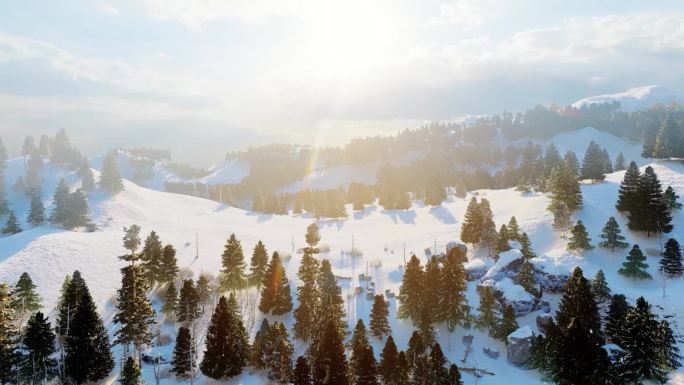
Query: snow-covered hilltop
[635, 99]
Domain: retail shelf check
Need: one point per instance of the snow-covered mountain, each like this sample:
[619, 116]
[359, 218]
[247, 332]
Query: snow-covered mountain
[636, 98]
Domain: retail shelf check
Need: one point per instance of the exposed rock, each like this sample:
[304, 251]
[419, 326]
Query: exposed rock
[460, 245]
[491, 352]
[551, 283]
[543, 322]
[519, 345]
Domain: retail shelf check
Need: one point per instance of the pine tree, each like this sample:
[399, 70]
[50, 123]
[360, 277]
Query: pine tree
[593, 165]
[389, 363]
[619, 162]
[25, 297]
[86, 174]
[72, 291]
[110, 179]
[36, 214]
[612, 237]
[635, 267]
[328, 360]
[184, 354]
[379, 325]
[312, 238]
[404, 370]
[669, 140]
[643, 360]
[12, 225]
[454, 375]
[489, 235]
[307, 297]
[564, 187]
[233, 272]
[453, 306]
[152, 255]
[490, 312]
[131, 239]
[226, 342]
[280, 360]
[366, 372]
[526, 278]
[651, 213]
[37, 365]
[439, 374]
[628, 193]
[203, 290]
[599, 287]
[561, 216]
[188, 309]
[29, 145]
[513, 229]
[262, 347]
[615, 320]
[669, 352]
[671, 262]
[410, 291]
[275, 292]
[170, 299]
[471, 230]
[502, 243]
[9, 355]
[61, 148]
[169, 264]
[88, 358]
[526, 247]
[258, 265]
[77, 210]
[302, 372]
[671, 199]
[331, 304]
[605, 162]
[131, 373]
[579, 241]
[358, 343]
[134, 311]
[508, 323]
[416, 348]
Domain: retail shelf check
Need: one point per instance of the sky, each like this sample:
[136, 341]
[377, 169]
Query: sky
[203, 77]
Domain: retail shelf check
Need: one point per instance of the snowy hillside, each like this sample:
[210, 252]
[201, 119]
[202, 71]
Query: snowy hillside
[48, 254]
[635, 99]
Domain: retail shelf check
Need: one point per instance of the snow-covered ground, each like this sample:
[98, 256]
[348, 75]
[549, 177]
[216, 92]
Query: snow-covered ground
[635, 99]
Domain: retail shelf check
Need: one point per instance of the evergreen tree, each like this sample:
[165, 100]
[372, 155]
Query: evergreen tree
[9, 355]
[77, 210]
[628, 193]
[606, 163]
[12, 225]
[438, 373]
[410, 291]
[226, 342]
[669, 140]
[275, 292]
[37, 365]
[61, 148]
[379, 325]
[72, 290]
[490, 312]
[508, 323]
[134, 311]
[551, 159]
[131, 239]
[454, 375]
[619, 161]
[261, 347]
[561, 216]
[579, 240]
[564, 187]
[184, 354]
[471, 230]
[453, 306]
[36, 214]
[366, 372]
[233, 272]
[331, 304]
[599, 287]
[280, 360]
[502, 244]
[513, 229]
[88, 358]
[669, 353]
[170, 299]
[650, 212]
[203, 290]
[131, 373]
[416, 348]
[152, 255]
[44, 146]
[302, 372]
[312, 238]
[259, 264]
[29, 146]
[593, 165]
[671, 262]
[389, 363]
[489, 235]
[615, 320]
[358, 343]
[110, 179]
[188, 309]
[671, 199]
[612, 237]
[643, 360]
[526, 247]
[328, 360]
[635, 267]
[25, 298]
[307, 297]
[86, 174]
[526, 279]
[169, 264]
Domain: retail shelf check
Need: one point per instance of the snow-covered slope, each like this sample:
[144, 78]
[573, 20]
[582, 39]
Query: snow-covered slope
[635, 98]
[48, 254]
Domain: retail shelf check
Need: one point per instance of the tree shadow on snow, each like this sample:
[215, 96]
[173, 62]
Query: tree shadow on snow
[365, 212]
[443, 215]
[405, 216]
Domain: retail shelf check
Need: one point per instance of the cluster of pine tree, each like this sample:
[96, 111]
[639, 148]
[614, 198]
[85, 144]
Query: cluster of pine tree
[596, 163]
[70, 209]
[641, 195]
[667, 143]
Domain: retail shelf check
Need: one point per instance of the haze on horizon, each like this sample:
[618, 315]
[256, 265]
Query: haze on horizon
[204, 77]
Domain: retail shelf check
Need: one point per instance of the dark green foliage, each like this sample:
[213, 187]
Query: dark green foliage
[280, 351]
[389, 363]
[642, 342]
[668, 143]
[261, 346]
[502, 243]
[649, 211]
[438, 372]
[411, 289]
[36, 214]
[302, 372]
[233, 272]
[471, 230]
[331, 305]
[561, 216]
[169, 264]
[312, 237]
[526, 279]
[615, 320]
[131, 373]
[513, 229]
[671, 262]
[9, 334]
[77, 210]
[489, 236]
[526, 247]
[86, 174]
[188, 308]
[307, 297]
[110, 179]
[599, 286]
[669, 352]
[362, 361]
[151, 256]
[508, 323]
[226, 342]
[671, 199]
[170, 299]
[579, 240]
[358, 343]
[72, 291]
[612, 237]
[88, 358]
[452, 303]
[275, 292]
[258, 265]
[203, 290]
[627, 195]
[37, 364]
[328, 360]
[416, 348]
[593, 165]
[379, 325]
[564, 188]
[490, 311]
[25, 297]
[635, 267]
[184, 354]
[134, 311]
[619, 161]
[12, 225]
[404, 370]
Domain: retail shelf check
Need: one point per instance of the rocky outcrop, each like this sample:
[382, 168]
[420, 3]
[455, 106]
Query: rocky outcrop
[519, 346]
[543, 322]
